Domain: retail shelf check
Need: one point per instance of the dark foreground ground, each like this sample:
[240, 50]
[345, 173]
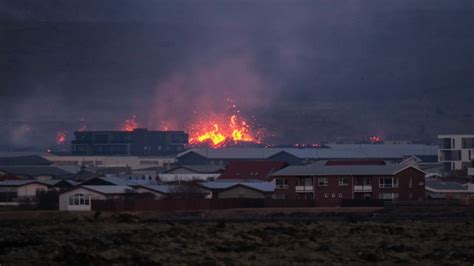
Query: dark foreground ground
[413, 237]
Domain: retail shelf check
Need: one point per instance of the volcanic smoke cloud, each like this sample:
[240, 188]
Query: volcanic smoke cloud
[210, 97]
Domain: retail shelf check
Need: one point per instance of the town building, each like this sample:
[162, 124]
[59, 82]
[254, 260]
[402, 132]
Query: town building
[191, 172]
[133, 162]
[139, 142]
[251, 170]
[441, 189]
[80, 198]
[329, 185]
[236, 189]
[393, 153]
[457, 153]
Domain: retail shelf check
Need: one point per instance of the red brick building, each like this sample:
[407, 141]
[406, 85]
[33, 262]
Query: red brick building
[330, 184]
[251, 170]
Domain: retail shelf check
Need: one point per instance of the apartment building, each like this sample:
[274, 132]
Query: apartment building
[329, 185]
[457, 152]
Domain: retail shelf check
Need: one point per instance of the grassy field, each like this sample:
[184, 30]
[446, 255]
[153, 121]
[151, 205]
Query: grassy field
[212, 239]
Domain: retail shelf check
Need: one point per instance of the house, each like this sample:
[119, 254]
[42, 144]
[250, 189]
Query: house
[191, 172]
[441, 189]
[14, 190]
[456, 152]
[236, 189]
[329, 185]
[80, 198]
[159, 191]
[251, 170]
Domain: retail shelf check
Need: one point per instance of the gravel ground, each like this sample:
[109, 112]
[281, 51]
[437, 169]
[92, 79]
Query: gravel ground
[80, 239]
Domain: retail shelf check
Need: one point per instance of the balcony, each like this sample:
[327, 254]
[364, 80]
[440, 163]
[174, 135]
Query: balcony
[366, 188]
[304, 188]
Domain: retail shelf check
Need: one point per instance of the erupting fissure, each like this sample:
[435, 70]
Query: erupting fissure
[218, 132]
[130, 124]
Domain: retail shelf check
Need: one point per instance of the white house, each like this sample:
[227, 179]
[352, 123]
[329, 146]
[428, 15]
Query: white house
[79, 199]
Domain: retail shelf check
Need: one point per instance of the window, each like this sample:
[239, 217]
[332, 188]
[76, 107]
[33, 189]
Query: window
[322, 181]
[388, 196]
[388, 182]
[333, 195]
[340, 195]
[281, 182]
[304, 196]
[305, 181]
[326, 195]
[343, 181]
[410, 183]
[279, 196]
[79, 199]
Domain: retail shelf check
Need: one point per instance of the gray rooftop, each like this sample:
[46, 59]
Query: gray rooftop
[434, 185]
[34, 171]
[261, 186]
[159, 188]
[110, 189]
[334, 151]
[320, 170]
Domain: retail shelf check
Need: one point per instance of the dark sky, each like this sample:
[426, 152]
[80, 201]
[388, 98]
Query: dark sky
[165, 61]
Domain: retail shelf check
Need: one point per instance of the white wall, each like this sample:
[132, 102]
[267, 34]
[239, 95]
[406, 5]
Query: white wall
[134, 162]
[64, 200]
[29, 190]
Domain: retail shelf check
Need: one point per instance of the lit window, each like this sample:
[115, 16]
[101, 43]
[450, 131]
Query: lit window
[326, 195]
[340, 195]
[333, 195]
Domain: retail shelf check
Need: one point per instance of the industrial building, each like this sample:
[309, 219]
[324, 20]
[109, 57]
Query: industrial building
[139, 142]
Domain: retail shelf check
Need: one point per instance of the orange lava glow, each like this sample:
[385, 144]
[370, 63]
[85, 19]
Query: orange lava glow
[220, 131]
[129, 124]
[60, 138]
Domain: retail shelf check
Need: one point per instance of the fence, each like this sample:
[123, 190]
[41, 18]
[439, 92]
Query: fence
[194, 204]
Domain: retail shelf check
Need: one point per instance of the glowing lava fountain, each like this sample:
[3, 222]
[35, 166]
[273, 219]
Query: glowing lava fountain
[222, 131]
[129, 124]
[60, 138]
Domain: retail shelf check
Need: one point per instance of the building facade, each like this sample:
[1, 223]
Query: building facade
[456, 152]
[329, 185]
[139, 142]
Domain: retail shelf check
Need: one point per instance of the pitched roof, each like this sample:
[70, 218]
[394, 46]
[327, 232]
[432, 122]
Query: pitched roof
[34, 171]
[260, 186]
[444, 186]
[165, 189]
[334, 151]
[110, 189]
[260, 170]
[18, 183]
[321, 170]
[26, 160]
[117, 181]
[204, 169]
